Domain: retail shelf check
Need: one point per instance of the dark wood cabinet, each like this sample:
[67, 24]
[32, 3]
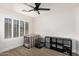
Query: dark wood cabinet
[60, 44]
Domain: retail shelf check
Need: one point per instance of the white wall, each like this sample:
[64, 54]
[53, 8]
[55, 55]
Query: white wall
[59, 24]
[77, 22]
[6, 44]
[77, 29]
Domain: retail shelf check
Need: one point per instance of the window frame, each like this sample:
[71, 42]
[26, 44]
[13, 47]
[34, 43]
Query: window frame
[21, 30]
[26, 28]
[13, 25]
[8, 25]
[15, 28]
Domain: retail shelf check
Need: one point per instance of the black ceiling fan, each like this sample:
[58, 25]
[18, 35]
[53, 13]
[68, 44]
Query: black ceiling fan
[36, 8]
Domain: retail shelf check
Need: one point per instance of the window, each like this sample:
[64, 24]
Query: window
[16, 28]
[26, 28]
[8, 28]
[21, 28]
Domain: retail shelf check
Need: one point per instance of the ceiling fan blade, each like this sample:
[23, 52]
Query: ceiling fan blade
[29, 5]
[28, 11]
[47, 9]
[37, 5]
[24, 10]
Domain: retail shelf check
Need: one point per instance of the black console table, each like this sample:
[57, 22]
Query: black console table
[60, 44]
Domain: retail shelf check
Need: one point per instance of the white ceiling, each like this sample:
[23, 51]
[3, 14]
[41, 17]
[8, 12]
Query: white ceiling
[55, 7]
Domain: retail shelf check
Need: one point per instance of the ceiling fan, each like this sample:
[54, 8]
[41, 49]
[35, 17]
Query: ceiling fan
[36, 8]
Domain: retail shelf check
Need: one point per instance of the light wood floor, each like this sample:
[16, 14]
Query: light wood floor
[22, 51]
